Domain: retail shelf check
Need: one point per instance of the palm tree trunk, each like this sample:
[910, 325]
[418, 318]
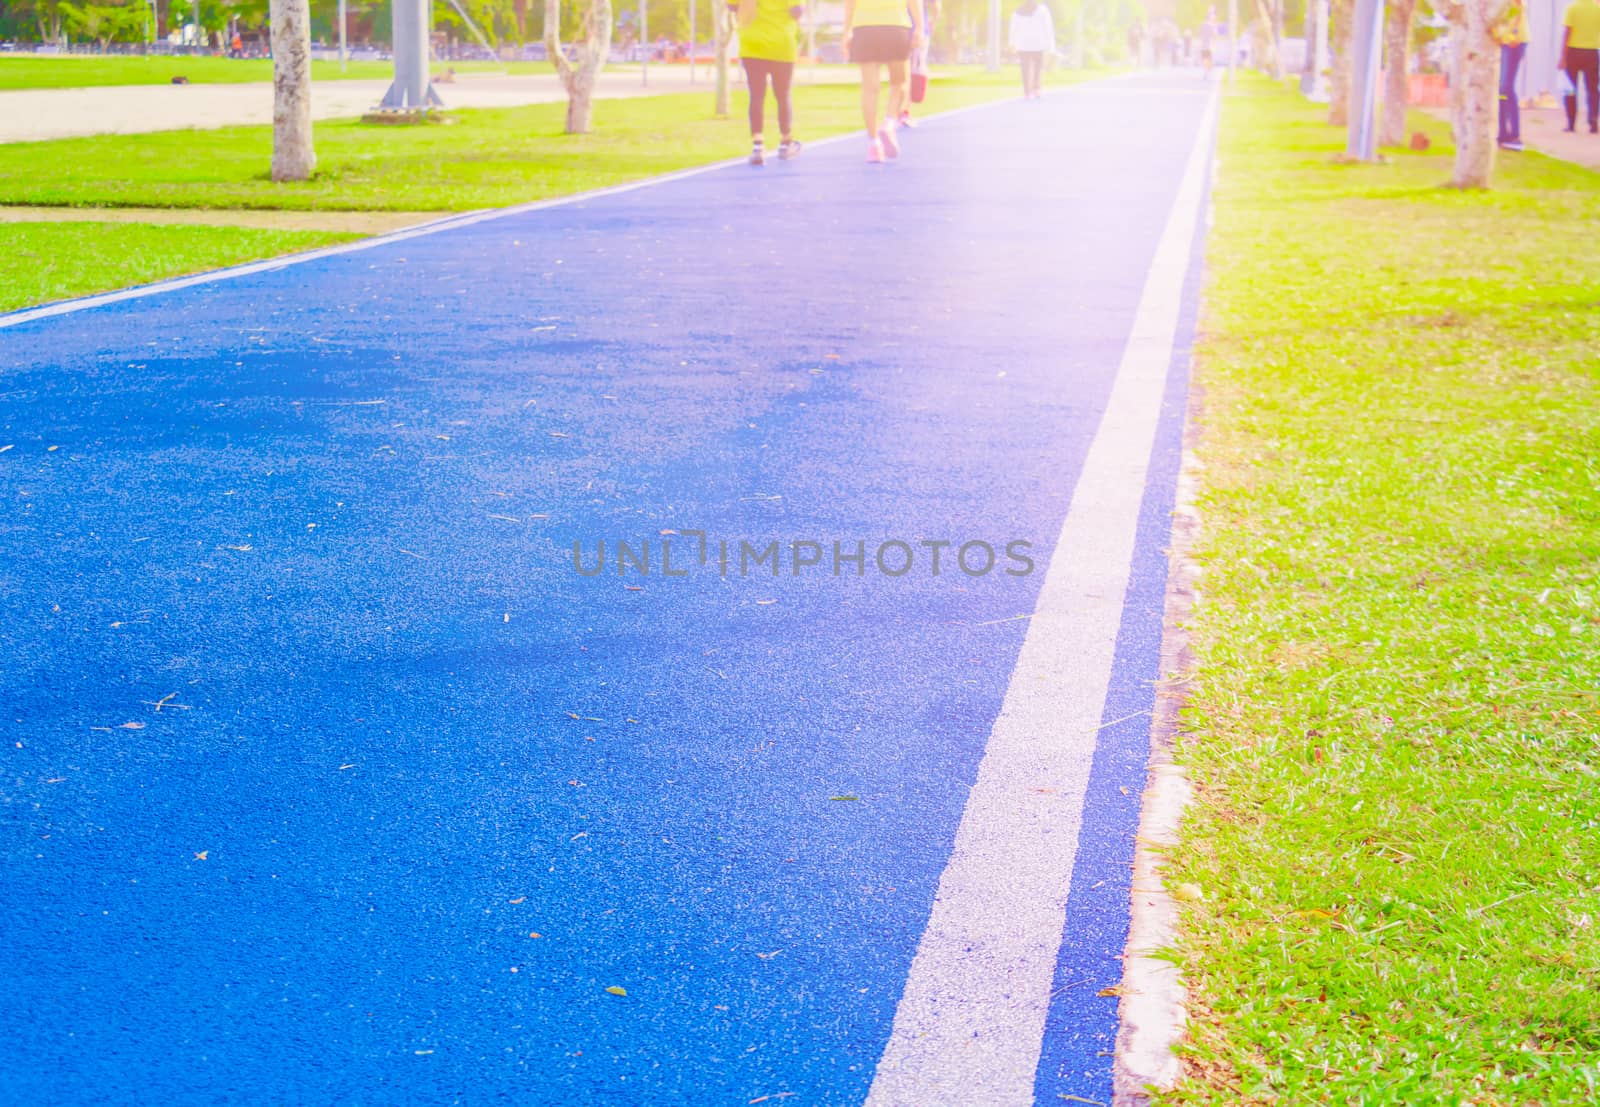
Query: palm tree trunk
[1392, 129]
[293, 156]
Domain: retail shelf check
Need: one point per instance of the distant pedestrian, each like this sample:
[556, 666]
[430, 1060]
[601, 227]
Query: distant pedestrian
[1208, 40]
[769, 41]
[919, 62]
[1033, 33]
[1512, 34]
[879, 34]
[1580, 59]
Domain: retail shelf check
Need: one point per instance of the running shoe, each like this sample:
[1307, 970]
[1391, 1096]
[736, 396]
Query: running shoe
[891, 145]
[906, 120]
[758, 156]
[789, 150]
[875, 152]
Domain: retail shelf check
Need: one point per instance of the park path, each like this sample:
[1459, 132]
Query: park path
[329, 776]
[32, 115]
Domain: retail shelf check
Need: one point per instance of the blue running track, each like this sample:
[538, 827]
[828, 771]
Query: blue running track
[310, 725]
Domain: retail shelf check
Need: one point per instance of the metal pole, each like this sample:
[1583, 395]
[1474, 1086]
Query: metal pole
[811, 37]
[644, 41]
[196, 26]
[1365, 47]
[411, 90]
[994, 36]
[693, 29]
[344, 54]
[1078, 53]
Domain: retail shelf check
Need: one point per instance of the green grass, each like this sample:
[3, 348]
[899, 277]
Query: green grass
[41, 262]
[487, 158]
[1395, 716]
[90, 71]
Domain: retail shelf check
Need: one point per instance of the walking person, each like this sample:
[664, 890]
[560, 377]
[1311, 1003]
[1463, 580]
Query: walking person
[769, 41]
[879, 34]
[919, 62]
[1033, 32]
[1580, 59]
[1512, 34]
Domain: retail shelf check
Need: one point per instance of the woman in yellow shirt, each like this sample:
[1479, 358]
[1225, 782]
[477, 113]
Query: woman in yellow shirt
[1512, 35]
[882, 33]
[1580, 57]
[768, 44]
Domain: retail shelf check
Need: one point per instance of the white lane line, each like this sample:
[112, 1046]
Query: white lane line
[446, 223]
[970, 1025]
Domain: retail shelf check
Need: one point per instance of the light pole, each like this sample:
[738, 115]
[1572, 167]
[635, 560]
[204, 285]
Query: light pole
[343, 53]
[1364, 56]
[693, 33]
[644, 42]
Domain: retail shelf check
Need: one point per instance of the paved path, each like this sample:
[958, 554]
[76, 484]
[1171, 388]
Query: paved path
[1544, 129]
[35, 114]
[325, 777]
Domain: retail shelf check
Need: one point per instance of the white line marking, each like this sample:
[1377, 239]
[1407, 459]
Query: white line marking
[970, 1025]
[449, 222]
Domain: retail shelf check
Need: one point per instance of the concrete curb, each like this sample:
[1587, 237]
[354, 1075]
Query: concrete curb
[1153, 1012]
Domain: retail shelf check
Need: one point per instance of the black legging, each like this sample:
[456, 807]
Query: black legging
[1584, 64]
[757, 71]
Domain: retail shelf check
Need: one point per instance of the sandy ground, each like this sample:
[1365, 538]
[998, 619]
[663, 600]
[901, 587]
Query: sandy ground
[34, 114]
[1543, 130]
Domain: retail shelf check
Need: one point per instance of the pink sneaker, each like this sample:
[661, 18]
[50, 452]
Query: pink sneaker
[875, 152]
[906, 120]
[891, 145]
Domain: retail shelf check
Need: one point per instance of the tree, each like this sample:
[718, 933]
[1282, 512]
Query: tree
[579, 79]
[105, 23]
[293, 157]
[1341, 18]
[1392, 129]
[1474, 88]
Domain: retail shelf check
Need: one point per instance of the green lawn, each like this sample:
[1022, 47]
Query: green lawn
[487, 158]
[90, 71]
[1395, 723]
[41, 262]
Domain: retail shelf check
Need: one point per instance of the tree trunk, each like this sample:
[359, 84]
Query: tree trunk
[293, 158]
[1475, 100]
[579, 80]
[1341, 19]
[1277, 39]
[1392, 129]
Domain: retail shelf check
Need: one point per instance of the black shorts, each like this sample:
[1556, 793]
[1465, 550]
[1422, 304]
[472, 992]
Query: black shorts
[880, 44]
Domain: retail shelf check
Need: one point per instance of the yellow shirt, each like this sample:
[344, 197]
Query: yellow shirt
[1513, 26]
[772, 35]
[890, 13]
[1583, 17]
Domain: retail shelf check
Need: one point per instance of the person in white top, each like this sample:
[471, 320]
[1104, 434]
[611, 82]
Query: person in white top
[1033, 33]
